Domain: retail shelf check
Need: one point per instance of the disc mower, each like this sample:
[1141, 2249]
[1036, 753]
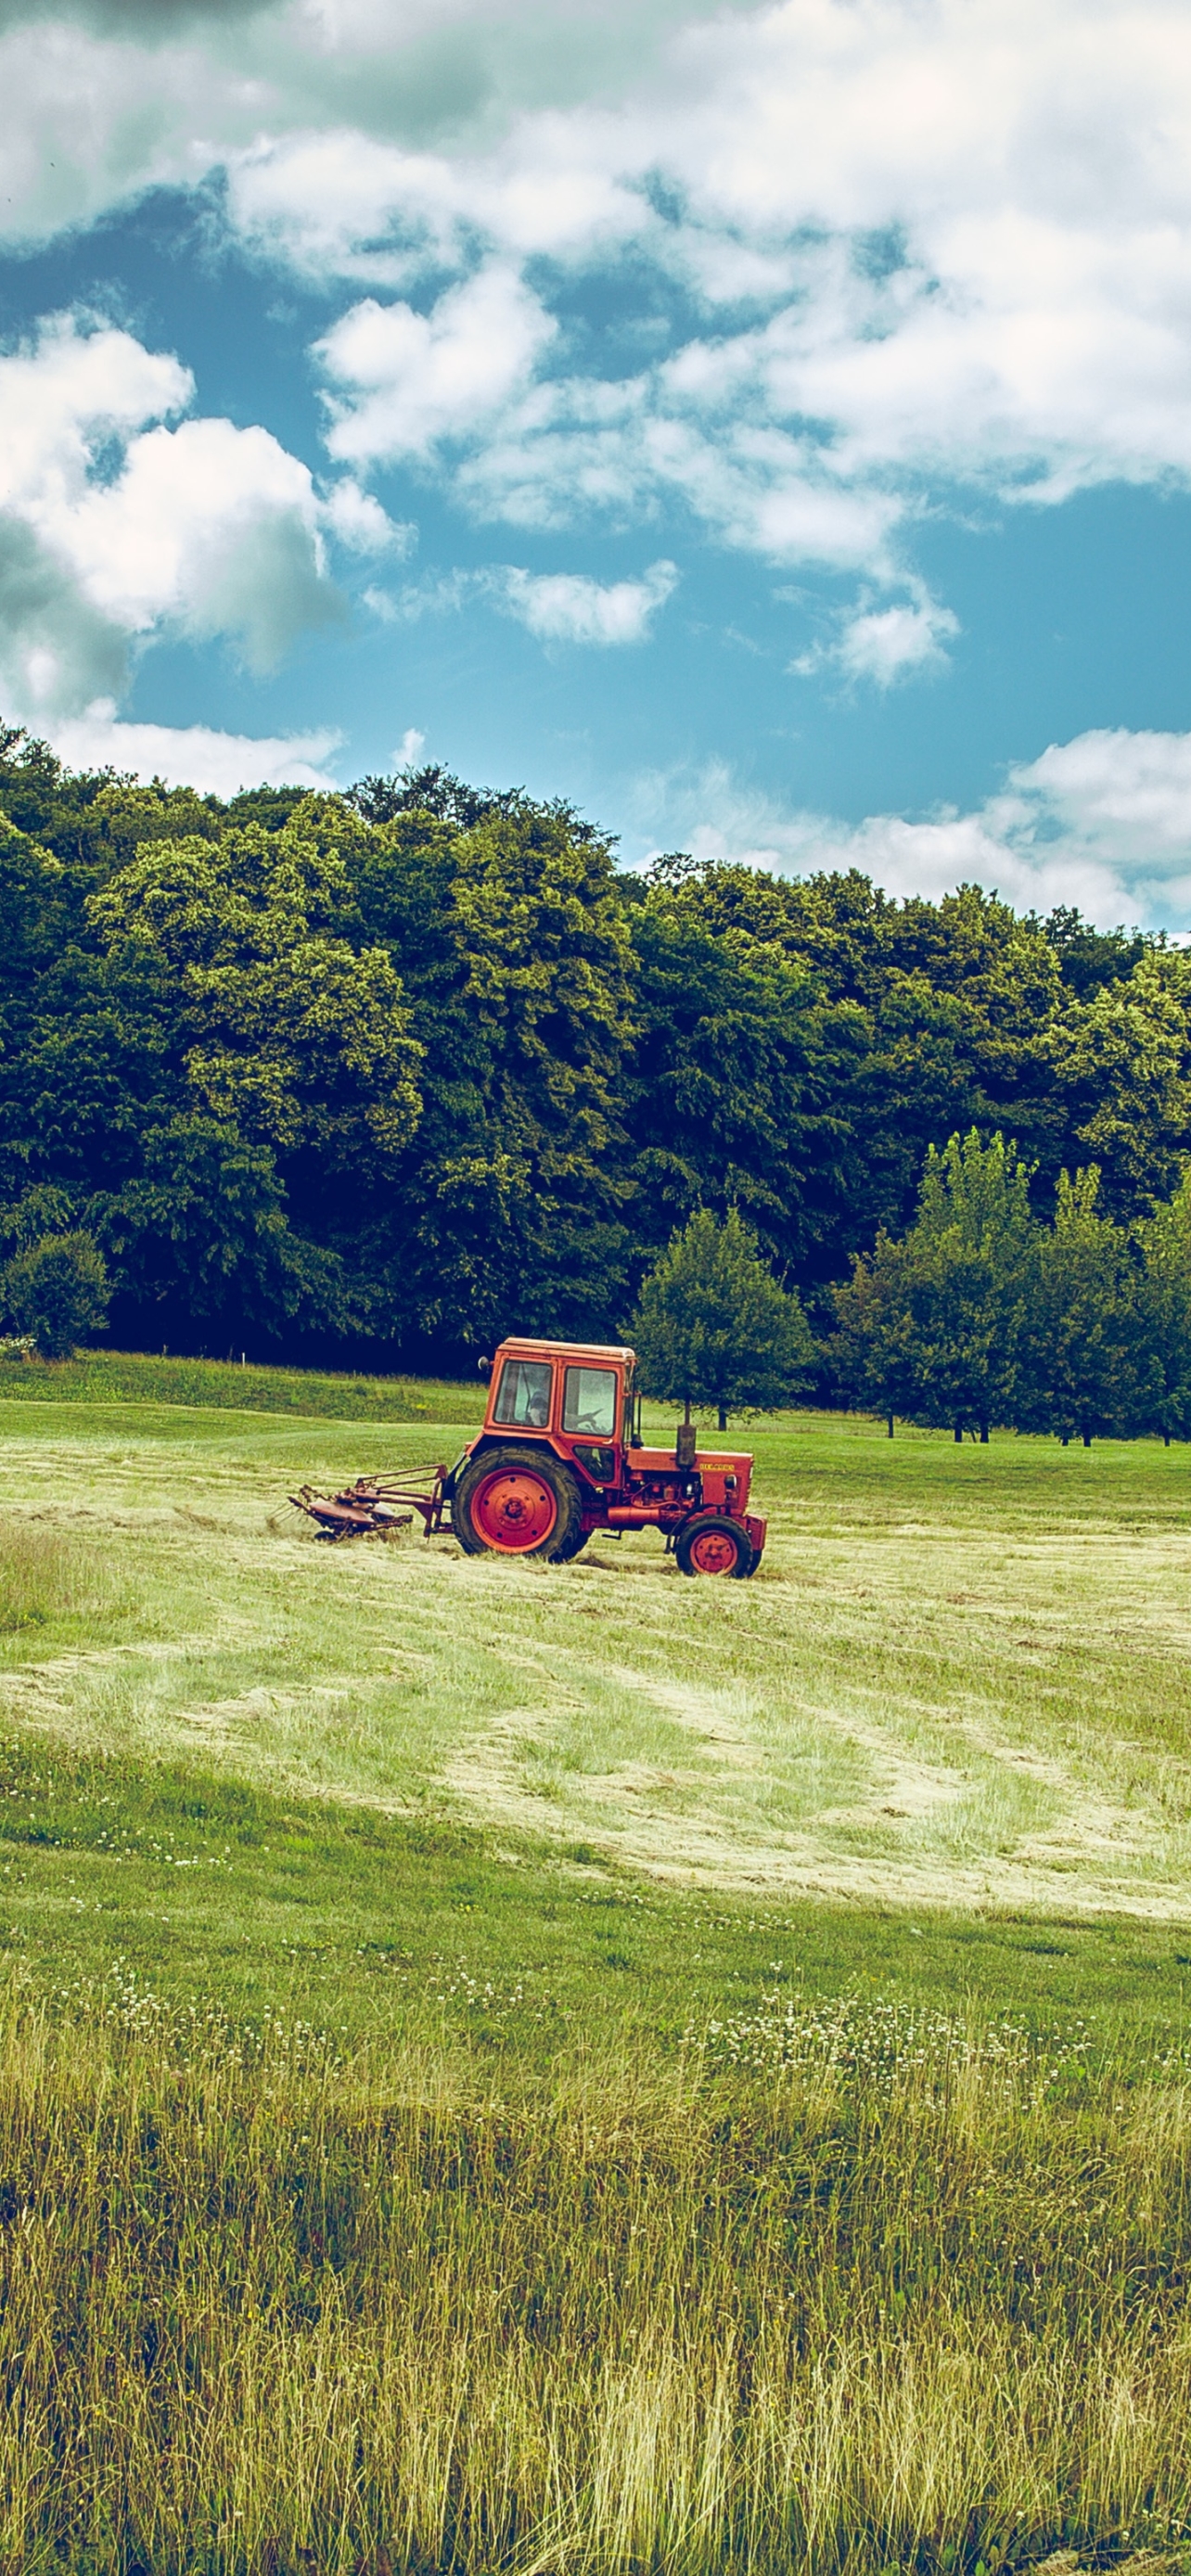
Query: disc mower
[559, 1460]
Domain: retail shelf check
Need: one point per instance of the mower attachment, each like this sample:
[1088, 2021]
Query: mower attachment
[372, 1507]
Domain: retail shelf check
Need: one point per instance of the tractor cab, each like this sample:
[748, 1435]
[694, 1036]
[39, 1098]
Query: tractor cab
[578, 1394]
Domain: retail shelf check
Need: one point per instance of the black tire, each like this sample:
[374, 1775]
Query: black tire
[563, 1538]
[574, 1547]
[735, 1546]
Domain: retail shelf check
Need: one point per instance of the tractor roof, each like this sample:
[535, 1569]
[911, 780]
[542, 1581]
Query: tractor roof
[521, 1347]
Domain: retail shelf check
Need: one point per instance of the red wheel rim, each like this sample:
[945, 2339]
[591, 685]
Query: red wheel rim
[514, 1510]
[714, 1551]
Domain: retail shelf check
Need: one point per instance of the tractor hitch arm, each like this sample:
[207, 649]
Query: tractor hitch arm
[376, 1505]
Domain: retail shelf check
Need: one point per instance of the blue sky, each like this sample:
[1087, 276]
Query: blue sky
[769, 427]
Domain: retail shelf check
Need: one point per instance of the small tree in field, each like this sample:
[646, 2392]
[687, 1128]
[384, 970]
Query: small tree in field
[713, 1328]
[1163, 1300]
[1082, 1360]
[930, 1327]
[57, 1291]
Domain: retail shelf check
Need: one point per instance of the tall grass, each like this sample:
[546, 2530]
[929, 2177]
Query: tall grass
[50, 1579]
[857, 2305]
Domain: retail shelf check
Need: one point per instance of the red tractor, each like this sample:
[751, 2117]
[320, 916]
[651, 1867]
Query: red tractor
[559, 1457]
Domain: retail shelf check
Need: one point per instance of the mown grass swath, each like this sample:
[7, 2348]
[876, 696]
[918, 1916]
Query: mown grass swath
[890, 2291]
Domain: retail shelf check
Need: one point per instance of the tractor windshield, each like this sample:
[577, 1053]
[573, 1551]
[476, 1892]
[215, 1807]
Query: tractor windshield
[589, 1402]
[523, 1397]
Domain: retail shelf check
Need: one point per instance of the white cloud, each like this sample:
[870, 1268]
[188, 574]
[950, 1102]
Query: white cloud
[558, 607]
[340, 203]
[345, 205]
[410, 748]
[217, 764]
[358, 521]
[1130, 792]
[404, 380]
[213, 528]
[568, 607]
[115, 526]
[1102, 822]
[883, 644]
[887, 644]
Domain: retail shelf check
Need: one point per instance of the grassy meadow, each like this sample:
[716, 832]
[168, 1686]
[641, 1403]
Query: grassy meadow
[548, 2068]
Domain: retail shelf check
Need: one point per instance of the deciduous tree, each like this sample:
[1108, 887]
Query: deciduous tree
[57, 1291]
[713, 1328]
[1081, 1362]
[931, 1327]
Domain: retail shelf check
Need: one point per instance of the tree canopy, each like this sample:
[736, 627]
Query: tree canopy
[931, 1326]
[713, 1328]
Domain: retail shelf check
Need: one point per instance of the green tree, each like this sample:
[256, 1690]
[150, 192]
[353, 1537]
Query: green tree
[874, 1351]
[736, 1087]
[1122, 1063]
[712, 1327]
[296, 1037]
[1082, 1367]
[57, 1290]
[954, 1001]
[202, 1228]
[275, 1071]
[931, 1327]
[511, 941]
[1162, 1296]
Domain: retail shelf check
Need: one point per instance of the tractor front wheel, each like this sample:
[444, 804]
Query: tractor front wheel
[709, 1545]
[517, 1502]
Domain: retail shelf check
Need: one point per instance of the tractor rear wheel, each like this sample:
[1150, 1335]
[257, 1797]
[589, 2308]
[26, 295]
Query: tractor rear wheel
[517, 1502]
[710, 1545]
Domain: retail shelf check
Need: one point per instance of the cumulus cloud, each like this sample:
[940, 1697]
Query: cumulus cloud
[211, 78]
[343, 204]
[217, 764]
[358, 521]
[404, 380]
[568, 607]
[887, 644]
[117, 524]
[558, 607]
[55, 647]
[208, 526]
[1103, 822]
[884, 644]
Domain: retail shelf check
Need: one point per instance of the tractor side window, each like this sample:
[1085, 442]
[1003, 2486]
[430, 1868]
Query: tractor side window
[589, 1402]
[524, 1394]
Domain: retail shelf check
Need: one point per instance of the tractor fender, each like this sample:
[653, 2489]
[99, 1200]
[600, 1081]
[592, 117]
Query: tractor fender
[503, 1440]
[453, 1473]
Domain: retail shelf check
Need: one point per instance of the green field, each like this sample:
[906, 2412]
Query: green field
[555, 2067]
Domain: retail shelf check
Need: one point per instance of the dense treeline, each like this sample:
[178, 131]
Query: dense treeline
[410, 1066]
